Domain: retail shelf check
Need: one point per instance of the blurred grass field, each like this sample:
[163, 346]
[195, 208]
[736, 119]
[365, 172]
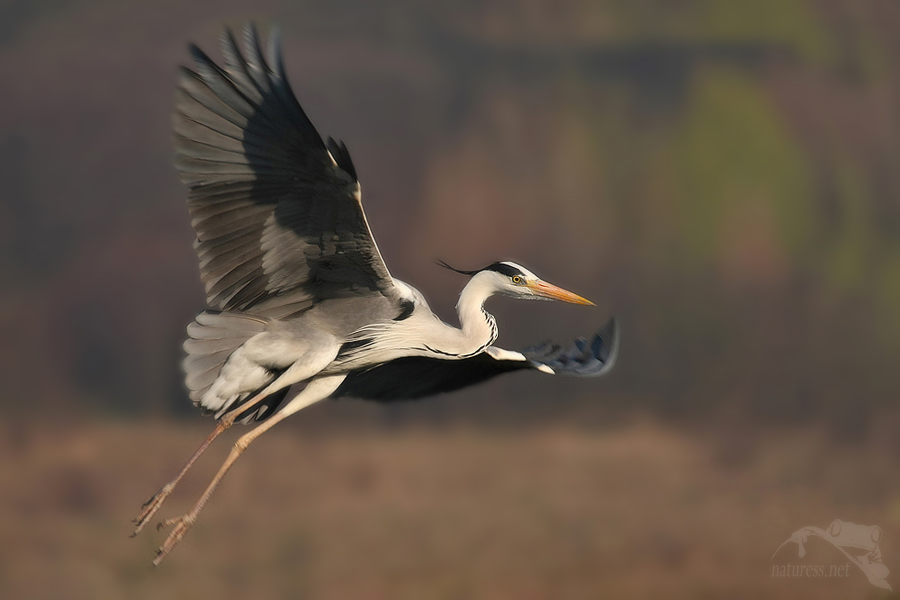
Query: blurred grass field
[640, 511]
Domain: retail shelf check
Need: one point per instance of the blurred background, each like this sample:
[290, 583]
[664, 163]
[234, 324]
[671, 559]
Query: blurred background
[720, 174]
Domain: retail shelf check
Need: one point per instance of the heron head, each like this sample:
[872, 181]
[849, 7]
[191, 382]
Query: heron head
[514, 280]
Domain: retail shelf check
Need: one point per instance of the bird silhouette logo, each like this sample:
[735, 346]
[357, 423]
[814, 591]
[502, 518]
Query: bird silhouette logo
[859, 543]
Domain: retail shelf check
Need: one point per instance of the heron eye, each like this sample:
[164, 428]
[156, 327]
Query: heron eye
[516, 279]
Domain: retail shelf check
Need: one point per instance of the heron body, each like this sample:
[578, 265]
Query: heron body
[298, 294]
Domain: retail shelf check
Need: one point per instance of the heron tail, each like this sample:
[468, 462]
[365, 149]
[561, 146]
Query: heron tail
[212, 338]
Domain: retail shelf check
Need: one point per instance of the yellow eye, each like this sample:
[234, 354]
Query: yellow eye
[517, 279]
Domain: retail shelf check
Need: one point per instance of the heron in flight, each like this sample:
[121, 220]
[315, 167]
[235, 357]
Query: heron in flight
[297, 292]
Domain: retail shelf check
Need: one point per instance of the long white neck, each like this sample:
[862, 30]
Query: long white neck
[478, 327]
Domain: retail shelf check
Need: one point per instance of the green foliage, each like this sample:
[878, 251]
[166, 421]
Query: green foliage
[850, 246]
[788, 24]
[776, 23]
[889, 296]
[733, 152]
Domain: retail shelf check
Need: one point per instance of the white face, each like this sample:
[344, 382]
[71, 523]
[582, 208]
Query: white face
[519, 284]
[522, 283]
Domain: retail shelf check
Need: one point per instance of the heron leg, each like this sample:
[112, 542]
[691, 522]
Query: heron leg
[155, 501]
[316, 390]
[152, 504]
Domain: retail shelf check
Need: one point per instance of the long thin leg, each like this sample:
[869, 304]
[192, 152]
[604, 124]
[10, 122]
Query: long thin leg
[152, 505]
[155, 501]
[317, 389]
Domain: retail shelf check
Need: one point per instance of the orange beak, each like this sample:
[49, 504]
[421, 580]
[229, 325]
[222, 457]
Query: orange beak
[548, 290]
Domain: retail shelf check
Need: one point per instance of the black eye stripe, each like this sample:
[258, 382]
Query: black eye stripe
[504, 269]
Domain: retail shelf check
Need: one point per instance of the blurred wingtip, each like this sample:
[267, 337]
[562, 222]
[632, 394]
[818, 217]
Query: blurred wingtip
[606, 344]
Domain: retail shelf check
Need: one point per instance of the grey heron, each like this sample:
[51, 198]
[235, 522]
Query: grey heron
[297, 291]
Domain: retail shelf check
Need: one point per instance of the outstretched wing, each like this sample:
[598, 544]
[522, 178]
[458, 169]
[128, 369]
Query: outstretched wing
[583, 358]
[414, 377]
[277, 211]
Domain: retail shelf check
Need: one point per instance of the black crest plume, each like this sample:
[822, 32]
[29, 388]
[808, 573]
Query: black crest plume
[499, 267]
[446, 266]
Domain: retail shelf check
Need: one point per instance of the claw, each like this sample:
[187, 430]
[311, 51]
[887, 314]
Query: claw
[169, 522]
[150, 507]
[182, 524]
[149, 501]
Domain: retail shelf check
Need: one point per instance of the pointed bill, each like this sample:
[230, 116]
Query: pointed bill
[552, 292]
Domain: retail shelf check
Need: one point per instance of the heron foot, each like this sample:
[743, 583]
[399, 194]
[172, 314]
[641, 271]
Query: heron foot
[182, 524]
[150, 507]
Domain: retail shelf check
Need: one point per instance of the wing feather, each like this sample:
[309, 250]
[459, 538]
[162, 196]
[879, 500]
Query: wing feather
[413, 377]
[278, 218]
